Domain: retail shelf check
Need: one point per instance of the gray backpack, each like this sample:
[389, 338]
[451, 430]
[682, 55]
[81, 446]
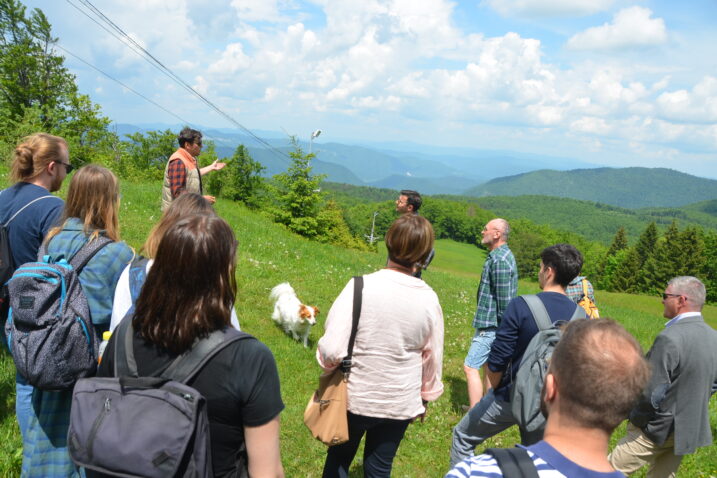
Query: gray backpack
[49, 328]
[133, 426]
[528, 384]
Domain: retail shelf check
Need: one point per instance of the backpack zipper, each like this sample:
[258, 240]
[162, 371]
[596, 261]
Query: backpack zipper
[96, 427]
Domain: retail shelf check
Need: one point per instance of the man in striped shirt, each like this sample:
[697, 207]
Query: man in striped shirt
[498, 286]
[596, 373]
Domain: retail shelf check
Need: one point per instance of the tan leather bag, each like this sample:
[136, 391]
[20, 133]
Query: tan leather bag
[326, 412]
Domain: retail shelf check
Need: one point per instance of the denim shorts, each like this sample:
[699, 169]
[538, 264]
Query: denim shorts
[480, 347]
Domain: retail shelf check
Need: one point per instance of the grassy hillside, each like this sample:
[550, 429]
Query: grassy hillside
[624, 187]
[268, 254]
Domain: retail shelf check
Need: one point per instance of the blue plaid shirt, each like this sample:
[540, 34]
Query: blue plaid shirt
[498, 286]
[100, 275]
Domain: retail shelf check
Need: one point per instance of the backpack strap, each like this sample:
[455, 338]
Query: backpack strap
[125, 364]
[358, 297]
[187, 365]
[579, 313]
[585, 286]
[87, 252]
[26, 205]
[537, 309]
[514, 462]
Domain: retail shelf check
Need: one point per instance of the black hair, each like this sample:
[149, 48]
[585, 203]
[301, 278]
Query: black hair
[188, 135]
[413, 198]
[565, 260]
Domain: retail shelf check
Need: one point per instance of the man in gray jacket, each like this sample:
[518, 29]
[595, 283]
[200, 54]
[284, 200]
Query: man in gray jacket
[672, 418]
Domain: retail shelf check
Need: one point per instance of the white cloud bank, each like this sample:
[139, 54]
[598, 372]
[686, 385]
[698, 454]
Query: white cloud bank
[548, 8]
[630, 28]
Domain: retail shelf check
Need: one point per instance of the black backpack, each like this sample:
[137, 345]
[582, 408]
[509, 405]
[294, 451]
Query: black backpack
[133, 426]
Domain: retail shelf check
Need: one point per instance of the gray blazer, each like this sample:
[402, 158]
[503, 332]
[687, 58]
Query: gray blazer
[684, 371]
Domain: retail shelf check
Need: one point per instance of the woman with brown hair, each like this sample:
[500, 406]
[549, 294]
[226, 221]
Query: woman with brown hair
[189, 293]
[91, 211]
[128, 287]
[397, 355]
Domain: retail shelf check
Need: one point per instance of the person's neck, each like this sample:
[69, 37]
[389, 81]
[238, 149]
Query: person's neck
[399, 268]
[44, 181]
[554, 288]
[496, 245]
[592, 451]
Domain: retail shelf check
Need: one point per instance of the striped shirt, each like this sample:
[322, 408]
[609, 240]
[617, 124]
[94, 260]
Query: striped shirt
[498, 286]
[547, 460]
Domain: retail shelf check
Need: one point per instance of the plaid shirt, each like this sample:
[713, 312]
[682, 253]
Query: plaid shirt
[177, 175]
[99, 277]
[498, 286]
[574, 290]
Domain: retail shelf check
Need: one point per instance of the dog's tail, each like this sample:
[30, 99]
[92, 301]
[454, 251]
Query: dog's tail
[280, 289]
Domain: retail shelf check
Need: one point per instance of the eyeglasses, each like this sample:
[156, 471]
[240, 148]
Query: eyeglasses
[666, 295]
[68, 166]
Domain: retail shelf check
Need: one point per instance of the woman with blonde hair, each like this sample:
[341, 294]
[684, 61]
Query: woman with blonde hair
[397, 355]
[91, 211]
[134, 275]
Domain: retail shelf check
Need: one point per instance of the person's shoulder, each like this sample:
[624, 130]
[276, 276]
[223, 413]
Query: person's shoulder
[479, 466]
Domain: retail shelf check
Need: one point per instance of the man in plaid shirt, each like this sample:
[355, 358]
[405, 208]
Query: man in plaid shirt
[498, 286]
[182, 173]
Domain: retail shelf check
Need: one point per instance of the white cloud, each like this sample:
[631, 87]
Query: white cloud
[548, 8]
[697, 105]
[258, 10]
[630, 28]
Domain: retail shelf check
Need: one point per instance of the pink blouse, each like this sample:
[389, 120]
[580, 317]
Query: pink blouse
[398, 353]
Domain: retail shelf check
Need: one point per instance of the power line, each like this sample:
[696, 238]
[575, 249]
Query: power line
[147, 56]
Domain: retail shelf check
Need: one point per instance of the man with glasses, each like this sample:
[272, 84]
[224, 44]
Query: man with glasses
[409, 202]
[182, 174]
[498, 286]
[672, 418]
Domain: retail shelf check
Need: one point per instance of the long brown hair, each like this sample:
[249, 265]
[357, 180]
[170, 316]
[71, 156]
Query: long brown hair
[190, 289]
[93, 198]
[32, 156]
[185, 205]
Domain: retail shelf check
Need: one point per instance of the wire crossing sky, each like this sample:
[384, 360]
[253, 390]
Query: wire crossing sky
[612, 82]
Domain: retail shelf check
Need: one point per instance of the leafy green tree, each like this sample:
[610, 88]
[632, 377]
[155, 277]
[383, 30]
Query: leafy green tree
[147, 153]
[622, 271]
[664, 263]
[298, 194]
[241, 180]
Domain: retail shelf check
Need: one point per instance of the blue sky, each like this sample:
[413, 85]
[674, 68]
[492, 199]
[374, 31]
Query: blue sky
[613, 82]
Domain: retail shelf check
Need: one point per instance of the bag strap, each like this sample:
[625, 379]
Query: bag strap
[188, 365]
[540, 314]
[181, 369]
[585, 286]
[358, 296]
[514, 462]
[87, 252]
[578, 313]
[26, 205]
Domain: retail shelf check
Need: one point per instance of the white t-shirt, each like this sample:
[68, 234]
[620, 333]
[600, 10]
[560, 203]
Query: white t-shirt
[123, 299]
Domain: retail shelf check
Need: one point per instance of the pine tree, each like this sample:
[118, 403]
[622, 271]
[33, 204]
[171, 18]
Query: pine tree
[618, 243]
[665, 262]
[243, 181]
[298, 195]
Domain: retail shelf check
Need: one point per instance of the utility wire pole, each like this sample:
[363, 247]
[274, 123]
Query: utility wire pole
[371, 238]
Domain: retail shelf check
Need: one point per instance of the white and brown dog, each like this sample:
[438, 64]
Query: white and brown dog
[296, 318]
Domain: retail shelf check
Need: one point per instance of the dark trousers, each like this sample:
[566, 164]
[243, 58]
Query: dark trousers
[383, 435]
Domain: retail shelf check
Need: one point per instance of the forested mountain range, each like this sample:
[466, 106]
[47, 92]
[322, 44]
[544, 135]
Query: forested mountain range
[625, 187]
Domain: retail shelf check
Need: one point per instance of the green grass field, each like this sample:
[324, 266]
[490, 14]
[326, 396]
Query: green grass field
[269, 255]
